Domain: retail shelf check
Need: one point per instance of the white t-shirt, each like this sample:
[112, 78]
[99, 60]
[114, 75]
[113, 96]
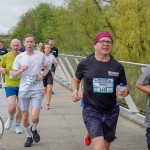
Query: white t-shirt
[28, 78]
[50, 60]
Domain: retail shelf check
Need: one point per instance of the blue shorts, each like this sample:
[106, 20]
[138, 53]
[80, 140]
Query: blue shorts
[99, 124]
[10, 91]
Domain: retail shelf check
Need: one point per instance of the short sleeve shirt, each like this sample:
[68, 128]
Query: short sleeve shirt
[7, 62]
[50, 60]
[99, 82]
[54, 51]
[34, 62]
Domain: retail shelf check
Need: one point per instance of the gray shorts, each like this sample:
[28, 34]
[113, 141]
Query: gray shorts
[33, 96]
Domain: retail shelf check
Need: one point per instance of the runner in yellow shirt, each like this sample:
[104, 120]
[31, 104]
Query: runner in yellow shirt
[11, 86]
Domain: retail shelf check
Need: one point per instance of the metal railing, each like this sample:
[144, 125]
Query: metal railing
[133, 106]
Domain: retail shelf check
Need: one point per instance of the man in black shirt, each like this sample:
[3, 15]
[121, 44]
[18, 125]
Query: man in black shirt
[101, 75]
[54, 51]
[3, 51]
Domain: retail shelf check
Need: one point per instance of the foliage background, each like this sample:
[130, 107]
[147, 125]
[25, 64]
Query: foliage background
[75, 24]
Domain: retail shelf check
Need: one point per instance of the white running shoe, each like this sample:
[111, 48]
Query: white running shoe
[18, 130]
[8, 124]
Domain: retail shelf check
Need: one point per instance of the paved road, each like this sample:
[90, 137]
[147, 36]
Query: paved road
[61, 127]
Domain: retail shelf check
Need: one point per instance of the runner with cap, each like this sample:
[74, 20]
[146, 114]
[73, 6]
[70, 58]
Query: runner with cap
[101, 75]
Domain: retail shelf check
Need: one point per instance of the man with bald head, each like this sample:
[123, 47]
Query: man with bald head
[11, 85]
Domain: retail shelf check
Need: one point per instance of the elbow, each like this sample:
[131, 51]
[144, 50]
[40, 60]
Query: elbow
[137, 85]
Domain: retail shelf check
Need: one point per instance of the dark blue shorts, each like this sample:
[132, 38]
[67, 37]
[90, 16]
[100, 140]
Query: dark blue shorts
[48, 79]
[148, 138]
[99, 124]
[10, 91]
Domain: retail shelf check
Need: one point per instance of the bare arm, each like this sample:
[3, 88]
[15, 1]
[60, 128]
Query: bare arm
[45, 72]
[143, 88]
[3, 70]
[16, 73]
[76, 96]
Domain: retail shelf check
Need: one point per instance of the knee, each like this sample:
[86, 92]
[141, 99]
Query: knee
[49, 90]
[12, 110]
[99, 146]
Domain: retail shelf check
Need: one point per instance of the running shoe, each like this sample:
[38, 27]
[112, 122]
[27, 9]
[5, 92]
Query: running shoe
[53, 92]
[47, 106]
[0, 85]
[18, 130]
[8, 124]
[28, 142]
[87, 140]
[36, 136]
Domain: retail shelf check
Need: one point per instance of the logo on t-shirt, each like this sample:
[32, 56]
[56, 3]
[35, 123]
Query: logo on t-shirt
[111, 73]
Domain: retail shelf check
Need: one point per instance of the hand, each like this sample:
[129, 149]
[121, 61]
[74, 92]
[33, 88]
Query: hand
[123, 92]
[76, 96]
[3, 70]
[39, 77]
[24, 68]
[56, 63]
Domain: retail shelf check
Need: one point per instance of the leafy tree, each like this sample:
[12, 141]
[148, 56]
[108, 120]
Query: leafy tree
[43, 15]
[25, 26]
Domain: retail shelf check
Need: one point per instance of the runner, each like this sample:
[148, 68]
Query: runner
[48, 79]
[28, 65]
[54, 51]
[101, 75]
[11, 86]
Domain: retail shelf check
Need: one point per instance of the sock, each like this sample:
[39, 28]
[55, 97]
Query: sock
[17, 123]
[11, 117]
[28, 131]
[34, 126]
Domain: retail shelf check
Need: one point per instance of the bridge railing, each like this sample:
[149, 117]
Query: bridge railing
[133, 106]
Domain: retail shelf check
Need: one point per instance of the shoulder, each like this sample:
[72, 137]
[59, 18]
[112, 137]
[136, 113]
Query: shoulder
[87, 60]
[51, 56]
[6, 55]
[115, 62]
[5, 49]
[55, 48]
[21, 55]
[39, 53]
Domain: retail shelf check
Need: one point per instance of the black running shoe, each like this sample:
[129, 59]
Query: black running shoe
[36, 136]
[28, 142]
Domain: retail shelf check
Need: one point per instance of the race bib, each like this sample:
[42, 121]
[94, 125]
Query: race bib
[31, 80]
[103, 85]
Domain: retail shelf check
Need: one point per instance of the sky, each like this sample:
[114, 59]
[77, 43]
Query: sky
[11, 10]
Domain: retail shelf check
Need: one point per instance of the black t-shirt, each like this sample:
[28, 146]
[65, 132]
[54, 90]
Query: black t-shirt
[54, 51]
[99, 82]
[3, 51]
